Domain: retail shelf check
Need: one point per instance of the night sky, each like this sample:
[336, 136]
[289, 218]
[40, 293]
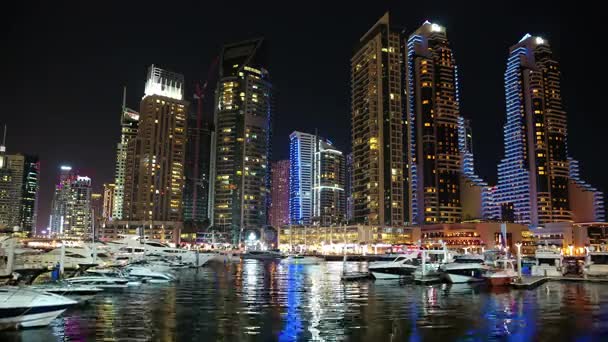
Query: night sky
[64, 66]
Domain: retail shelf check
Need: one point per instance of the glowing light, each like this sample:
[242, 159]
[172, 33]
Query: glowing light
[436, 28]
[526, 36]
[66, 168]
[164, 83]
[251, 236]
[540, 41]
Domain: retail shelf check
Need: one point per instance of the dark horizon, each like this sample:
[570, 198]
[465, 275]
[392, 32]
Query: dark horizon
[66, 66]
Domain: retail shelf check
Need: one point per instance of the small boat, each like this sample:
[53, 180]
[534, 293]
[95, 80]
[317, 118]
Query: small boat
[303, 260]
[402, 266]
[101, 281]
[548, 262]
[503, 273]
[26, 308]
[597, 265]
[79, 293]
[271, 254]
[114, 272]
[149, 275]
[468, 268]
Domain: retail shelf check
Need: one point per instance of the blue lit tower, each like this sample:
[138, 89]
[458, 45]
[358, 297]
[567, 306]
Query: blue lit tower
[301, 157]
[432, 113]
[243, 114]
[533, 176]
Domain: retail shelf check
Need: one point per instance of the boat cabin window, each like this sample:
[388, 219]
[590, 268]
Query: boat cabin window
[74, 255]
[599, 259]
[155, 244]
[399, 259]
[102, 255]
[550, 262]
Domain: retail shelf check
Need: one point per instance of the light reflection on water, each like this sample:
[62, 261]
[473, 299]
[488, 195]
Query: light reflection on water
[277, 301]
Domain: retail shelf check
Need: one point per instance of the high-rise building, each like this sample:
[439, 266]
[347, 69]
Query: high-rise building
[129, 121]
[154, 177]
[378, 127]
[433, 111]
[535, 174]
[11, 181]
[108, 201]
[71, 207]
[243, 113]
[278, 214]
[328, 195]
[348, 188]
[96, 212]
[302, 147]
[198, 164]
[29, 193]
[587, 203]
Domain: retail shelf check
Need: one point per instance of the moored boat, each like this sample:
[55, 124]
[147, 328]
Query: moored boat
[27, 308]
[503, 273]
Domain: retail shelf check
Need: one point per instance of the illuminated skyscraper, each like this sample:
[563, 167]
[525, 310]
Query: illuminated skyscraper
[348, 188]
[154, 177]
[533, 176]
[301, 154]
[71, 207]
[243, 113]
[328, 195]
[378, 127]
[129, 121]
[433, 110]
[11, 181]
[587, 202]
[278, 215]
[29, 193]
[108, 201]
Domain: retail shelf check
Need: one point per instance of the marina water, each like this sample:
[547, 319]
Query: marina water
[276, 301]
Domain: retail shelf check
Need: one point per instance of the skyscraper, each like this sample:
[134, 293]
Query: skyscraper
[533, 176]
[433, 112]
[198, 163]
[29, 193]
[302, 147]
[328, 195]
[108, 201]
[348, 188]
[243, 113]
[378, 127]
[11, 180]
[71, 207]
[129, 121]
[587, 202]
[278, 214]
[154, 177]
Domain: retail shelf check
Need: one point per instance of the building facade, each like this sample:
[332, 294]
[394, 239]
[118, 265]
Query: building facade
[29, 193]
[71, 207]
[108, 201]
[348, 188]
[302, 148]
[378, 129]
[154, 170]
[433, 110]
[11, 183]
[197, 168]
[129, 121]
[278, 215]
[587, 203]
[243, 116]
[534, 177]
[328, 195]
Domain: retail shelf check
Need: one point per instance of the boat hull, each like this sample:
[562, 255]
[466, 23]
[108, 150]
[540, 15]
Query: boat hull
[389, 273]
[30, 317]
[500, 281]
[461, 279]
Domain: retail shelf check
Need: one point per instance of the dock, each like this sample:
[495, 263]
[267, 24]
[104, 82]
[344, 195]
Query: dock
[530, 282]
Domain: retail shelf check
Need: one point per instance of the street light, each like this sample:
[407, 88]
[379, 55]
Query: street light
[518, 245]
[570, 248]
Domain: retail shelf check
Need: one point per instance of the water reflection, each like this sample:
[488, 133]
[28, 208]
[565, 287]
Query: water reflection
[270, 301]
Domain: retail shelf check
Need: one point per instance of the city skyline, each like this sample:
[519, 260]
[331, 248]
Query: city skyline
[486, 156]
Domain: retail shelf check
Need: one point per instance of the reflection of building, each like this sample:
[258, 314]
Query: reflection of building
[129, 121]
[168, 231]
[108, 201]
[433, 112]
[71, 208]
[378, 127]
[244, 108]
[154, 177]
[534, 177]
[278, 214]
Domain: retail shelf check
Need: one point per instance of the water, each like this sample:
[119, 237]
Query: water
[257, 301]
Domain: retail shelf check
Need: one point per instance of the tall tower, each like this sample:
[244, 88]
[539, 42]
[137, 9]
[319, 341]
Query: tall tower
[243, 113]
[348, 188]
[29, 193]
[71, 208]
[129, 121]
[302, 147]
[533, 176]
[378, 127]
[154, 177]
[328, 195]
[108, 201]
[433, 112]
[278, 215]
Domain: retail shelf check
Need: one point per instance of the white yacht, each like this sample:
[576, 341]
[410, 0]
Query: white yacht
[270, 254]
[101, 281]
[466, 268]
[20, 307]
[138, 247]
[502, 273]
[79, 293]
[548, 262]
[74, 257]
[403, 266]
[597, 265]
[149, 275]
[114, 272]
